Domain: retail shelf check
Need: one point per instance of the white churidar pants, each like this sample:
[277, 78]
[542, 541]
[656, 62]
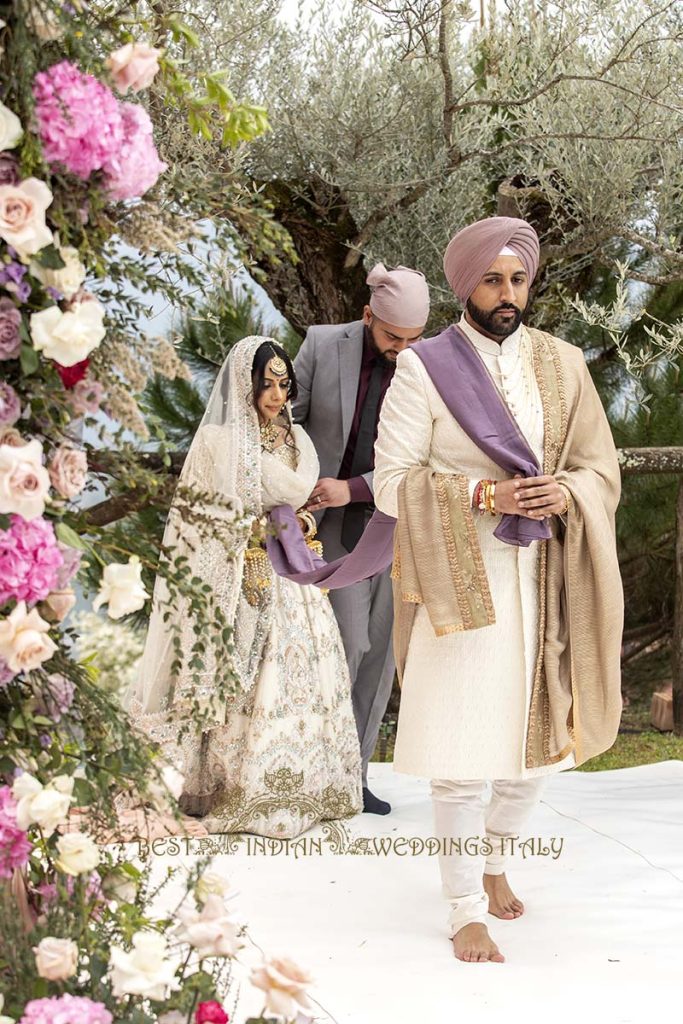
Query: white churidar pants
[461, 812]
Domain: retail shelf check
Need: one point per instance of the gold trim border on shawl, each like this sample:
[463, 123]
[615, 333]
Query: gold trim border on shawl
[443, 499]
[548, 373]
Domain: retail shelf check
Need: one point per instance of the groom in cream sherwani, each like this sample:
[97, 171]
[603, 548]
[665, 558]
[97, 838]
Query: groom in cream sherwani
[521, 678]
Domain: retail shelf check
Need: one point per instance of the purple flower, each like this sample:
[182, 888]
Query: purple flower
[10, 322]
[6, 673]
[9, 169]
[66, 1009]
[56, 697]
[12, 276]
[30, 560]
[135, 166]
[10, 406]
[79, 119]
[71, 561]
[14, 844]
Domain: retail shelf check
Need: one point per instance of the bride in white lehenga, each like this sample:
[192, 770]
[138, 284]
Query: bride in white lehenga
[282, 754]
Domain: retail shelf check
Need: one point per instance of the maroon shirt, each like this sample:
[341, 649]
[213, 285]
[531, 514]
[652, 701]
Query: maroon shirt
[357, 485]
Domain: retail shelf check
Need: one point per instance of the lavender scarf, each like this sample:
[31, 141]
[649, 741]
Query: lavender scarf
[467, 389]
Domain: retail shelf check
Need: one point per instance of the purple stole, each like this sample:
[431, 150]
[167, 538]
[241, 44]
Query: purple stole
[467, 389]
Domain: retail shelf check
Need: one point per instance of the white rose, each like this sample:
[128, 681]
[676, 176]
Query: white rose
[68, 279]
[77, 854]
[10, 128]
[24, 481]
[69, 337]
[24, 643]
[3, 1018]
[143, 971]
[284, 984]
[45, 806]
[56, 959]
[121, 588]
[211, 930]
[22, 216]
[210, 884]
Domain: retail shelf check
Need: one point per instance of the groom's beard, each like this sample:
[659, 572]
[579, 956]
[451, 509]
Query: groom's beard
[493, 324]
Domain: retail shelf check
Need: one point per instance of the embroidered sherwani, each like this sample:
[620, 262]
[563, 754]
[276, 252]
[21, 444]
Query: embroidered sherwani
[466, 696]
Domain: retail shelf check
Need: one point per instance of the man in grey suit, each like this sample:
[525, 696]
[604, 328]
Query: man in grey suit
[343, 372]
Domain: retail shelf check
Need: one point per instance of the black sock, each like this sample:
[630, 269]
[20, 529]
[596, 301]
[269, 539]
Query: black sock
[373, 805]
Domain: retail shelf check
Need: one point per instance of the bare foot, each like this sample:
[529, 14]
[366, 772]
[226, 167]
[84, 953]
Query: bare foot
[474, 945]
[502, 901]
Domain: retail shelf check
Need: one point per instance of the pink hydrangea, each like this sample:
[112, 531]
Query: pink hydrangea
[135, 167]
[15, 847]
[79, 119]
[66, 1009]
[29, 560]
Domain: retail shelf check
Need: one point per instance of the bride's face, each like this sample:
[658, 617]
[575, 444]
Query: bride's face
[273, 395]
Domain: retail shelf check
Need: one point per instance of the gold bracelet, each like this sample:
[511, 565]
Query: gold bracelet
[567, 498]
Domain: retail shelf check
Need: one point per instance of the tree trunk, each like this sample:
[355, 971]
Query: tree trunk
[319, 288]
[677, 638]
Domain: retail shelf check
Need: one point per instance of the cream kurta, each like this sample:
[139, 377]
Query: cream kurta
[465, 696]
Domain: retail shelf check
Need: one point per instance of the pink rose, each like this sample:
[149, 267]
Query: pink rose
[133, 66]
[284, 984]
[86, 396]
[68, 471]
[22, 216]
[211, 1012]
[24, 481]
[12, 437]
[58, 604]
[10, 322]
[10, 406]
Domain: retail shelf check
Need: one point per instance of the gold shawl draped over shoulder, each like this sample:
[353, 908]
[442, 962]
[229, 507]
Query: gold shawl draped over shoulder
[576, 694]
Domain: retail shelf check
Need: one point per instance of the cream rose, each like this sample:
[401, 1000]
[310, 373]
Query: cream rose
[24, 481]
[69, 337]
[68, 471]
[284, 984]
[56, 959]
[133, 66]
[24, 643]
[77, 854]
[144, 971]
[11, 436]
[10, 128]
[211, 930]
[68, 279]
[121, 588]
[45, 806]
[22, 216]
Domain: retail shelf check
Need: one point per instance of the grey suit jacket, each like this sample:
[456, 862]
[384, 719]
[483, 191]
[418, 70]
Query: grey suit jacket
[327, 369]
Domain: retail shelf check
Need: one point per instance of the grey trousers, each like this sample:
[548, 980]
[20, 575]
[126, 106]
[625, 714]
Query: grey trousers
[365, 614]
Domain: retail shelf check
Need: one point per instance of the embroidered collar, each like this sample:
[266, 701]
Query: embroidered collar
[508, 347]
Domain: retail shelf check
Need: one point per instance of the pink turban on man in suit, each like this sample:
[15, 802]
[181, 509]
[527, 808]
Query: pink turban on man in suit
[472, 251]
[399, 297]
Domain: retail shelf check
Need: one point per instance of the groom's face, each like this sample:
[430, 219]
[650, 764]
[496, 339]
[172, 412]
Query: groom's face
[497, 304]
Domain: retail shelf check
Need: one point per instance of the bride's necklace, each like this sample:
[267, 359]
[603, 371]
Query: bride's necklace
[269, 435]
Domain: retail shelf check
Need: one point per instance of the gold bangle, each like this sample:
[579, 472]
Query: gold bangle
[567, 499]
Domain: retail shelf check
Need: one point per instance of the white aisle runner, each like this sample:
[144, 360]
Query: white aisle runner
[601, 939]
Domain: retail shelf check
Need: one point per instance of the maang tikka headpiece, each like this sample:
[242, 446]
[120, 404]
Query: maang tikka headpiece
[278, 365]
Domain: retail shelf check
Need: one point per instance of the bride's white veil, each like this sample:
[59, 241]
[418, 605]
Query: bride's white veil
[224, 459]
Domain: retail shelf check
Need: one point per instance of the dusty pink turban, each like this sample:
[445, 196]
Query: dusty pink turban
[399, 297]
[472, 251]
